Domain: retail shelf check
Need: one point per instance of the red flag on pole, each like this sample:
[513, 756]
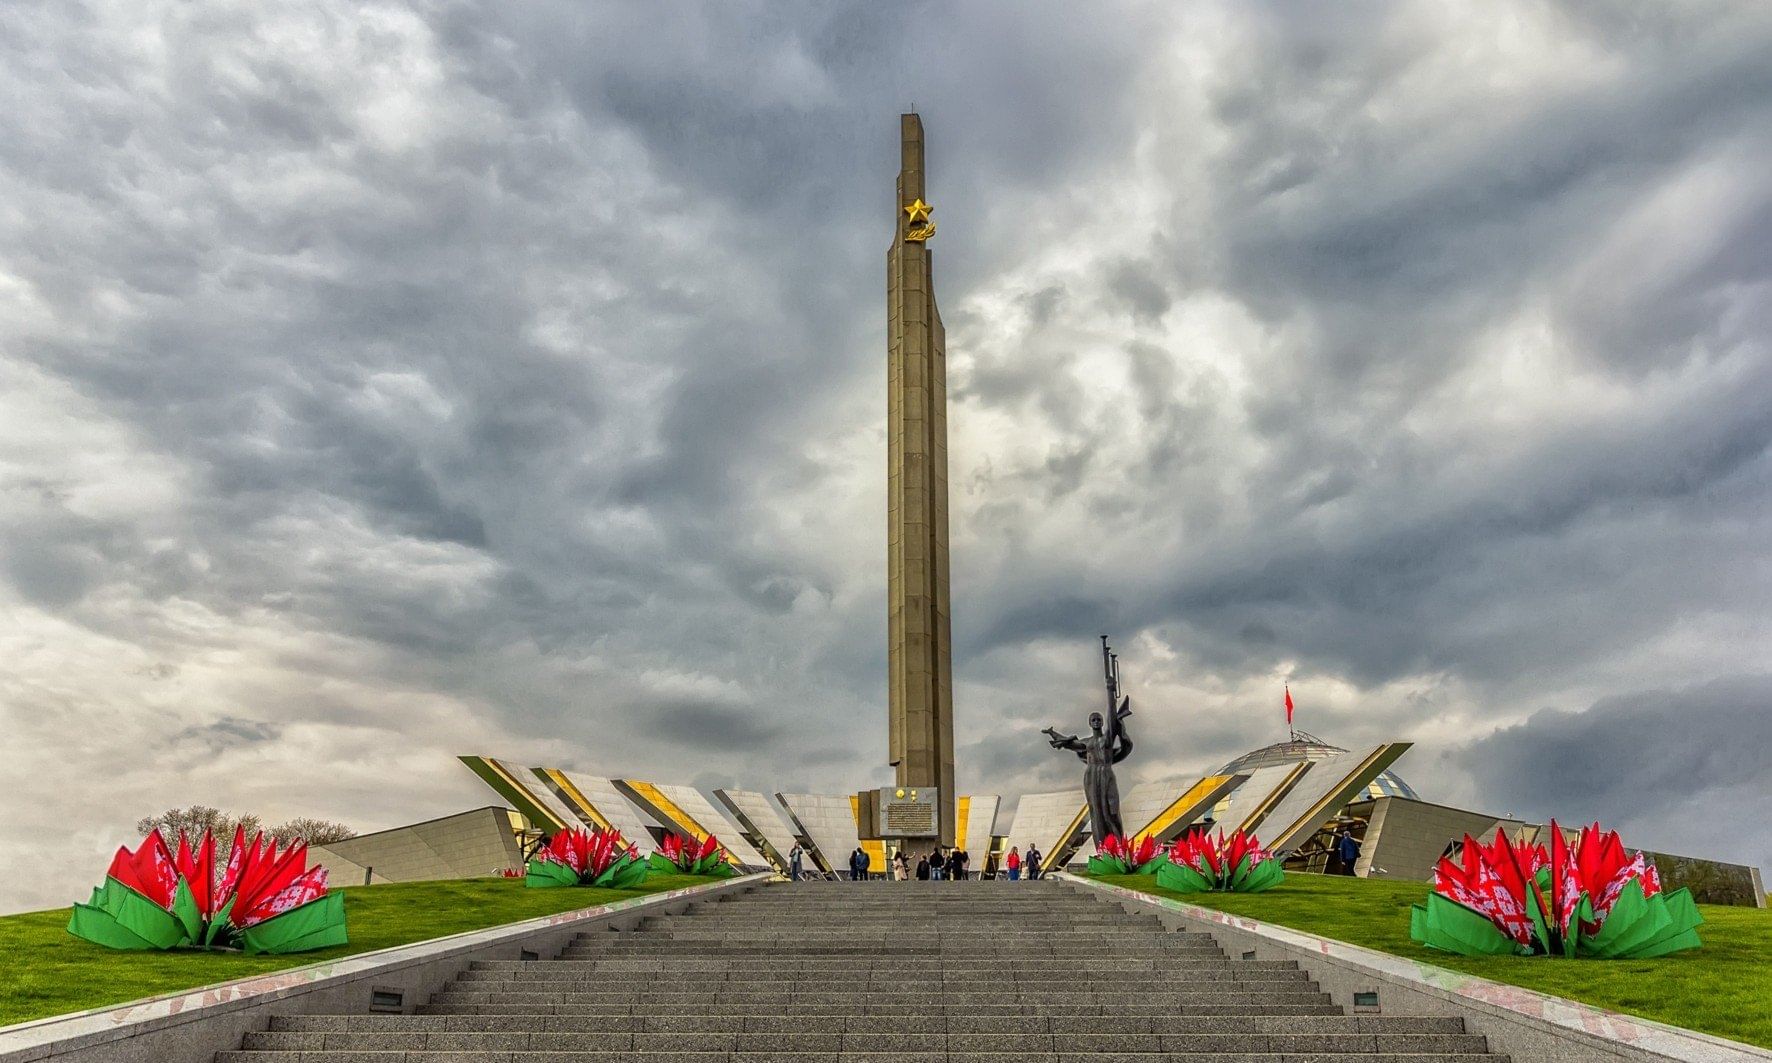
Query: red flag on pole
[1288, 706]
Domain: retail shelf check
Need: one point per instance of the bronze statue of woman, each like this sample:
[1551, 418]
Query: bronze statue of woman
[1099, 752]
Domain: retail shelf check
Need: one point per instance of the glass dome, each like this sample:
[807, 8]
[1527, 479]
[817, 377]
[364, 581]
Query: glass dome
[1309, 747]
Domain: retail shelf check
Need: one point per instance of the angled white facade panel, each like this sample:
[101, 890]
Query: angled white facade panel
[1148, 800]
[537, 791]
[1246, 807]
[1046, 820]
[715, 822]
[828, 821]
[1324, 791]
[981, 815]
[760, 815]
[621, 813]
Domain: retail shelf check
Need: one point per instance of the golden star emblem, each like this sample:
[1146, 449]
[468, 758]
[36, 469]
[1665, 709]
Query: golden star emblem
[918, 211]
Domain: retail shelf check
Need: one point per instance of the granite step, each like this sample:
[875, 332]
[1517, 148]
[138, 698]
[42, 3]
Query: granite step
[889, 1011]
[887, 974]
[873, 1041]
[352, 1055]
[1082, 1025]
[892, 974]
[770, 1002]
[636, 961]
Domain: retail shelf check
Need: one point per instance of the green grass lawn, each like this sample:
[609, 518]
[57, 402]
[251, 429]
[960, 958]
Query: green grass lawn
[45, 971]
[1724, 988]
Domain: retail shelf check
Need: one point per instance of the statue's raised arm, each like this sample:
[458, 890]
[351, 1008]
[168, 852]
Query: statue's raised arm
[1070, 742]
[1122, 743]
[1124, 749]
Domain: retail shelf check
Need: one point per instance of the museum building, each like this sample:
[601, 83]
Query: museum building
[1295, 795]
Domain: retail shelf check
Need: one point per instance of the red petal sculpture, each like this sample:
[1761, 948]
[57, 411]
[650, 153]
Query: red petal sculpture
[575, 857]
[684, 855]
[155, 898]
[1594, 898]
[1119, 856]
[1199, 862]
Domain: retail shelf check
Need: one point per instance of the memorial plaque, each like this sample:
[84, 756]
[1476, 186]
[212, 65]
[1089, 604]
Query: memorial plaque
[909, 813]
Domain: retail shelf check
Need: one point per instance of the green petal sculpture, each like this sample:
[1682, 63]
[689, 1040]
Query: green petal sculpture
[1517, 898]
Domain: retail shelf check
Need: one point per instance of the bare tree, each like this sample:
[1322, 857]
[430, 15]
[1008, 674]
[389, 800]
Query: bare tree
[312, 831]
[193, 821]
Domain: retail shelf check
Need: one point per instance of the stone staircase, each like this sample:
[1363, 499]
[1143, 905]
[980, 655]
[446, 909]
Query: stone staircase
[908, 972]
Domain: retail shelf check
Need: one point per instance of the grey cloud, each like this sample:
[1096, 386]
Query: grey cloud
[1629, 753]
[1628, 758]
[229, 732]
[1133, 283]
[711, 727]
[50, 575]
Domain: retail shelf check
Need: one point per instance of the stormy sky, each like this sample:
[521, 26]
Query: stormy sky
[382, 382]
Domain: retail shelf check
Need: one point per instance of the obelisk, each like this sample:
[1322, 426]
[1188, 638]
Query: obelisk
[920, 688]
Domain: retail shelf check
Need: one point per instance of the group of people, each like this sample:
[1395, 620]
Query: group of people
[953, 865]
[936, 867]
[1014, 864]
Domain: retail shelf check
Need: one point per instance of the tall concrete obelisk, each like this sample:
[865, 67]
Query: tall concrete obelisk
[921, 688]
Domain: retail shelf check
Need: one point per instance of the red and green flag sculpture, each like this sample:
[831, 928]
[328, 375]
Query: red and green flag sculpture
[688, 857]
[1120, 856]
[575, 857]
[1200, 863]
[263, 900]
[1517, 898]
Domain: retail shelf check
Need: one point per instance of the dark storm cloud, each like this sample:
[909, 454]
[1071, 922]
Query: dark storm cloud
[227, 733]
[383, 383]
[1679, 770]
[1632, 754]
[710, 727]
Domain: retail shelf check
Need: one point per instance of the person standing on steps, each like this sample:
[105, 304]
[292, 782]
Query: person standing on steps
[858, 865]
[965, 859]
[795, 856]
[903, 865]
[922, 869]
[1032, 862]
[936, 865]
[1012, 863]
